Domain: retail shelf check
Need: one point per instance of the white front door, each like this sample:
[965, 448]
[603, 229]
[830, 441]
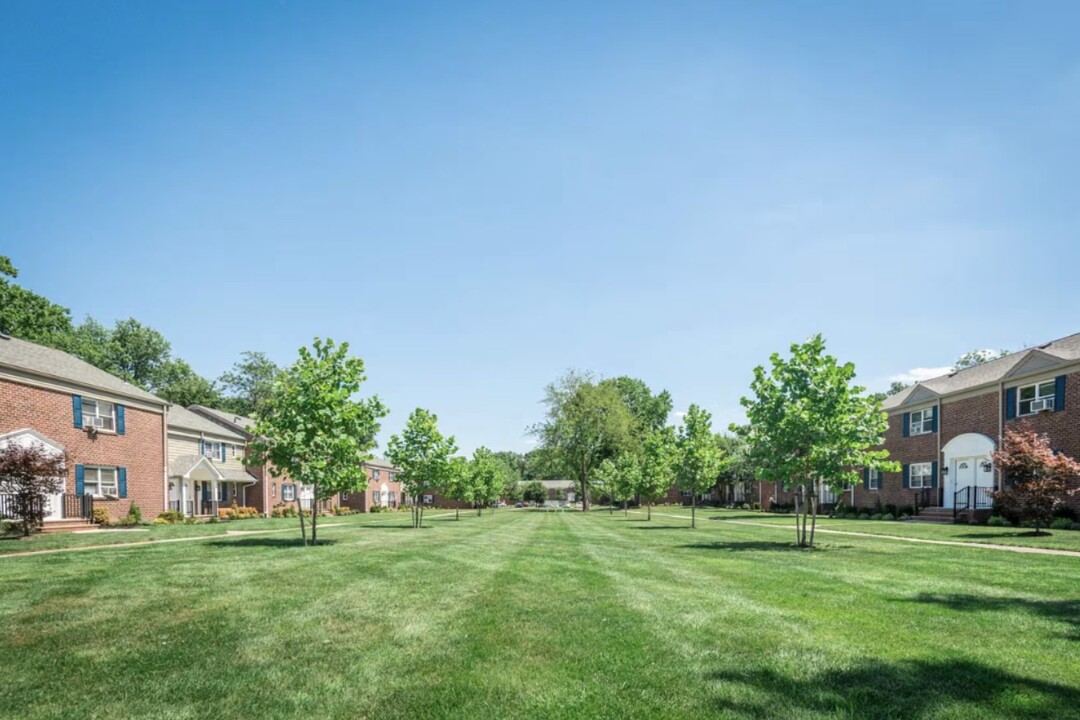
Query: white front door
[962, 474]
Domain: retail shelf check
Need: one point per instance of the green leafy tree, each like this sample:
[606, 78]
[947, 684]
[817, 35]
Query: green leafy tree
[29, 316]
[809, 424]
[586, 423]
[248, 384]
[487, 478]
[535, 492]
[649, 411]
[699, 458]
[311, 428]
[459, 485]
[737, 468]
[181, 385]
[138, 353]
[896, 386]
[620, 478]
[424, 457]
[659, 458]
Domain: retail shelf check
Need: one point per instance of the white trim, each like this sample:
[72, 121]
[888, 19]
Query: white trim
[22, 376]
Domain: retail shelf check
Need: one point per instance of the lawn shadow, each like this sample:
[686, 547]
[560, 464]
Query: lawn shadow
[907, 690]
[652, 526]
[267, 542]
[741, 546]
[990, 536]
[1063, 611]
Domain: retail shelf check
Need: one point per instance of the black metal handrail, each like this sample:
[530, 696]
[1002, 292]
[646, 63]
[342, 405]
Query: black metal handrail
[924, 498]
[972, 497]
[78, 506]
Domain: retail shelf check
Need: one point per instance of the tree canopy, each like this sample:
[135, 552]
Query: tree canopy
[424, 458]
[809, 424]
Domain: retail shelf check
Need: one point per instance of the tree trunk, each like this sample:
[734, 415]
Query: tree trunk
[813, 517]
[314, 511]
[649, 517]
[457, 513]
[693, 510]
[625, 512]
[584, 489]
[300, 512]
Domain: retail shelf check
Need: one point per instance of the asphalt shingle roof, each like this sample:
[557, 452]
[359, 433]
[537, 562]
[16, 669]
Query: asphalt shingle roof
[49, 362]
[1067, 348]
[181, 417]
[237, 421]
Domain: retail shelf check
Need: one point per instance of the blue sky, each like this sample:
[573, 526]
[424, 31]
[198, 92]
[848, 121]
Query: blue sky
[478, 196]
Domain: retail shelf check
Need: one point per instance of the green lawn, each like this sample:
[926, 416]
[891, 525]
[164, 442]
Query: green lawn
[540, 615]
[1056, 539]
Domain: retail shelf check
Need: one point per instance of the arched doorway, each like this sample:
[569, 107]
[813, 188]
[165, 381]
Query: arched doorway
[968, 465]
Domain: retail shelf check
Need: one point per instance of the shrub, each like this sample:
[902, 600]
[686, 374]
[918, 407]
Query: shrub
[161, 521]
[134, 515]
[225, 514]
[101, 516]
[213, 519]
[1075, 526]
[904, 516]
[998, 521]
[908, 510]
[877, 516]
[8, 527]
[190, 521]
[1067, 512]
[864, 516]
[170, 517]
[889, 516]
[1061, 523]
[891, 509]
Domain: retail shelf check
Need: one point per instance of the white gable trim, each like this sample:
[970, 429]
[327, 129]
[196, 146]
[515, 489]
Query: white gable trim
[919, 394]
[1035, 361]
[11, 437]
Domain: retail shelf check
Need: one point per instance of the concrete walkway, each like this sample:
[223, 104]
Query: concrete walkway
[926, 541]
[215, 536]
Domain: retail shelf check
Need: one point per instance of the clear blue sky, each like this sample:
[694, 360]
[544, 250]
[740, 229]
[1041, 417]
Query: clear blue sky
[480, 196]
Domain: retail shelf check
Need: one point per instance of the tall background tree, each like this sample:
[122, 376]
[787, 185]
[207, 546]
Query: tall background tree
[248, 384]
[29, 316]
[978, 357]
[424, 458]
[313, 430]
[1035, 478]
[28, 476]
[586, 423]
[698, 456]
[809, 423]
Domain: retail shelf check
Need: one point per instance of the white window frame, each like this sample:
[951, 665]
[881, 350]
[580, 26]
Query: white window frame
[1036, 395]
[925, 475]
[273, 490]
[288, 492]
[96, 482]
[375, 475]
[873, 479]
[93, 417]
[212, 449]
[925, 422]
[428, 499]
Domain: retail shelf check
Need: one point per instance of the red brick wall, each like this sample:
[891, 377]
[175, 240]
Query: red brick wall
[1062, 427]
[140, 449]
[363, 500]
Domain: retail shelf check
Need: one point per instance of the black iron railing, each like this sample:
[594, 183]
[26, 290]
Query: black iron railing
[926, 498]
[78, 506]
[972, 498]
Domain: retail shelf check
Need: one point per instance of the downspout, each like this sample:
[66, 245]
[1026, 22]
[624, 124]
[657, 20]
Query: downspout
[998, 484]
[941, 461]
[164, 457]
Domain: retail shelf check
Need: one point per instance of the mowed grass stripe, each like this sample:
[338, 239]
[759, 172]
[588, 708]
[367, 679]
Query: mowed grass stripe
[534, 614]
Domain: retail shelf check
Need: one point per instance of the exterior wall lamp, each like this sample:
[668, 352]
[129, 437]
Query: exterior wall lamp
[987, 466]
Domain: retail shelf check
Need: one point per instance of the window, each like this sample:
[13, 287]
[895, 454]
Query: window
[920, 475]
[100, 482]
[344, 497]
[390, 497]
[685, 493]
[375, 475]
[288, 492]
[211, 449]
[223, 492]
[273, 490]
[873, 479]
[428, 499]
[1036, 398]
[232, 449]
[922, 421]
[393, 477]
[98, 414]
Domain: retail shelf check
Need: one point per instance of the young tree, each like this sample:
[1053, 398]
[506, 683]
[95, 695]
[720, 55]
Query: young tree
[627, 478]
[586, 423]
[486, 479]
[424, 458]
[698, 455]
[658, 459]
[249, 383]
[313, 431]
[1035, 477]
[459, 483]
[808, 424]
[28, 475]
[535, 492]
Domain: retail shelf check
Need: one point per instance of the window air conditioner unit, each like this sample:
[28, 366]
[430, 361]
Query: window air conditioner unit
[1042, 405]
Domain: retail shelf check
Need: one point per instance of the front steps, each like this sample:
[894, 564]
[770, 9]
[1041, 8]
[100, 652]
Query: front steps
[939, 515]
[66, 525]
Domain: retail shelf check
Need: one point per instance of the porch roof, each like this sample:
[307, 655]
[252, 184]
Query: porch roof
[183, 466]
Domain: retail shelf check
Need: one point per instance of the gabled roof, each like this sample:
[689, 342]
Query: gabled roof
[231, 420]
[180, 417]
[183, 465]
[380, 463]
[48, 362]
[1017, 364]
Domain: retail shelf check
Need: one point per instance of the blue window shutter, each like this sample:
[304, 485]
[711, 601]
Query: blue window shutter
[1010, 403]
[866, 478]
[933, 474]
[907, 424]
[933, 419]
[222, 452]
[76, 407]
[202, 447]
[1059, 393]
[121, 478]
[80, 480]
[119, 419]
[907, 476]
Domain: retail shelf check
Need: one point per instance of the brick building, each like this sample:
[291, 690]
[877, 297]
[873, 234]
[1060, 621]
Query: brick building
[383, 489]
[114, 433]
